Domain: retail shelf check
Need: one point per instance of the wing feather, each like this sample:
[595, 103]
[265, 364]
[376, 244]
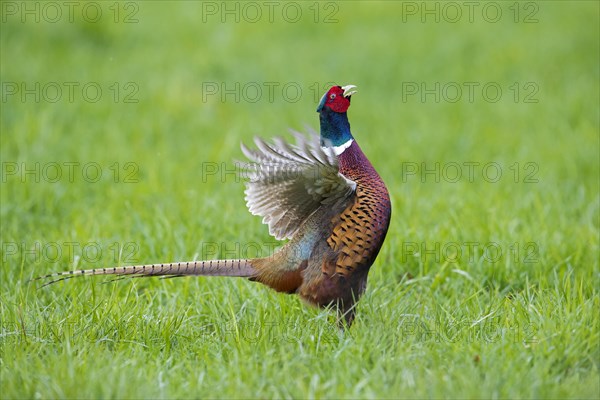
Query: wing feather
[288, 182]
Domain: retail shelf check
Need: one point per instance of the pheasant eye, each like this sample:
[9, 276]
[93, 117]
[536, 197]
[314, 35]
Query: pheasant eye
[332, 96]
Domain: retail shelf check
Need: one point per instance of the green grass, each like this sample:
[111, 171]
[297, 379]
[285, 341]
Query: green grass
[452, 321]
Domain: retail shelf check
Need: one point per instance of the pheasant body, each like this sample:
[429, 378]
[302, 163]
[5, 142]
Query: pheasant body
[350, 245]
[325, 196]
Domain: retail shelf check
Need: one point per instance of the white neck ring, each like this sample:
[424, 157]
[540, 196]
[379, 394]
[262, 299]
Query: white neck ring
[337, 150]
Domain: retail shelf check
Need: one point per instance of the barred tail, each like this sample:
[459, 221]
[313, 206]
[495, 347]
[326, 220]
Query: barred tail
[235, 268]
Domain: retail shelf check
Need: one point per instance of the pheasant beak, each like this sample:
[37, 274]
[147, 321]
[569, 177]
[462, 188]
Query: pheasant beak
[349, 90]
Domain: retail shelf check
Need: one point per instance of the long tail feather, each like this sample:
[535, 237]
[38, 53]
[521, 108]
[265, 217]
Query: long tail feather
[234, 268]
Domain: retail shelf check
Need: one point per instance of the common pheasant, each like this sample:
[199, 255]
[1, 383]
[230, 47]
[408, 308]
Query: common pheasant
[323, 195]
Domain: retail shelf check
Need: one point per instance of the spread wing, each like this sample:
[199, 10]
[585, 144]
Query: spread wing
[288, 182]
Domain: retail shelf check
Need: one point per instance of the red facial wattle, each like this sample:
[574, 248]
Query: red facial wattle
[336, 101]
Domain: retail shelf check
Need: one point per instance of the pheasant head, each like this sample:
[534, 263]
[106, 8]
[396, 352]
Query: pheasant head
[335, 128]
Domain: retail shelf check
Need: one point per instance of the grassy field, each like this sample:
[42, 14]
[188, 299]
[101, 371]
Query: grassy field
[120, 124]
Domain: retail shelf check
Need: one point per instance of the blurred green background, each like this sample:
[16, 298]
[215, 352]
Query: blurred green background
[143, 97]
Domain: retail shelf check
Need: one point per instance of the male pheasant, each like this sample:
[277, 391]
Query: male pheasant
[323, 195]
